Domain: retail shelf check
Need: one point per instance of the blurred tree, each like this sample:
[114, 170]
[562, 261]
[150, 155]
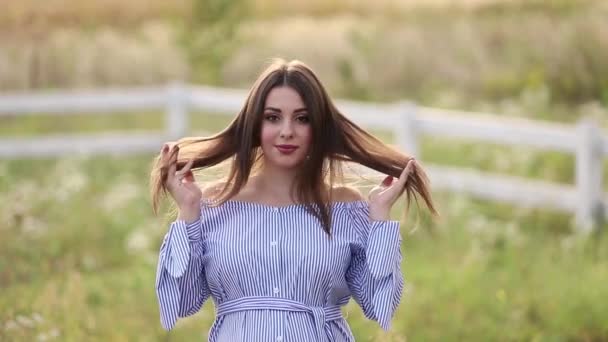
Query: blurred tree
[210, 36]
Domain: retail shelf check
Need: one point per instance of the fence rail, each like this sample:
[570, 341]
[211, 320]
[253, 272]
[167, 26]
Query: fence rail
[586, 198]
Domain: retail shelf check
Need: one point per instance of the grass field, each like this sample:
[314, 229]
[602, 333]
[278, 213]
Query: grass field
[79, 243]
[79, 248]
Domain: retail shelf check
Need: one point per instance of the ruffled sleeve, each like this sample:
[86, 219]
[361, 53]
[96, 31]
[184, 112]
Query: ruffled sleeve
[374, 275]
[181, 286]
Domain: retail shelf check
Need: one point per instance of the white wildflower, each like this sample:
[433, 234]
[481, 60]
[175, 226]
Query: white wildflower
[20, 200]
[25, 321]
[477, 224]
[475, 252]
[568, 242]
[138, 241]
[70, 185]
[89, 262]
[10, 325]
[120, 195]
[37, 317]
[33, 226]
[70, 178]
[54, 333]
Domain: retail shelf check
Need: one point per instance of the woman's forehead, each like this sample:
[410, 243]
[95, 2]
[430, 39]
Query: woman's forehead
[284, 98]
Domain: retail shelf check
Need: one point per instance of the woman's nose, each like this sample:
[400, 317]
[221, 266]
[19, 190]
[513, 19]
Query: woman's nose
[286, 131]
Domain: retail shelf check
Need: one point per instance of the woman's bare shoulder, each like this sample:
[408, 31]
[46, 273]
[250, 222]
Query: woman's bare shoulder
[212, 189]
[247, 193]
[346, 194]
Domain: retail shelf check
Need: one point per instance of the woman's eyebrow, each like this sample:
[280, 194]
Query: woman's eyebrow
[279, 110]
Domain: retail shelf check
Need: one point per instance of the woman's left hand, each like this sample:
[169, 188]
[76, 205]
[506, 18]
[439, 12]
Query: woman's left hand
[383, 196]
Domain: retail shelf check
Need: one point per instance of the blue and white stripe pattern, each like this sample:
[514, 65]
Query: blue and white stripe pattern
[275, 275]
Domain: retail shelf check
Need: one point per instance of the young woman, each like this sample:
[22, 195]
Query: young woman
[278, 245]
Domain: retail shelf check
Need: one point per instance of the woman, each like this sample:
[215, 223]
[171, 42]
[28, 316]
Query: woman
[277, 245]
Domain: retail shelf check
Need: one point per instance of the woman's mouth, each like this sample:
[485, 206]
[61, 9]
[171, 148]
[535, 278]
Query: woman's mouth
[286, 149]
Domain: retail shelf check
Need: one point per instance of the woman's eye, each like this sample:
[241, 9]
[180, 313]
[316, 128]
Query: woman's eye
[303, 119]
[272, 118]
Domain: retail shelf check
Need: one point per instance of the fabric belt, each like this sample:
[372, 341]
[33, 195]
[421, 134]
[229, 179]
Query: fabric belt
[321, 315]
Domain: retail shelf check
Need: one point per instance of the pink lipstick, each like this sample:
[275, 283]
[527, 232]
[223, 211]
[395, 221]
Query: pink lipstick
[286, 149]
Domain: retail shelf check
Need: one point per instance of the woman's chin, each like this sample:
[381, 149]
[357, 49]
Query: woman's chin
[287, 163]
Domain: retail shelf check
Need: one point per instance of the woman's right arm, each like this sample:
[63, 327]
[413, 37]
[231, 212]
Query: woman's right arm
[181, 286]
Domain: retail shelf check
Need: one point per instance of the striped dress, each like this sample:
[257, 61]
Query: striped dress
[275, 275]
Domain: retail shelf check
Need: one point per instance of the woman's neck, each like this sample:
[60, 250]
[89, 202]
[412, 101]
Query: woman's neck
[275, 183]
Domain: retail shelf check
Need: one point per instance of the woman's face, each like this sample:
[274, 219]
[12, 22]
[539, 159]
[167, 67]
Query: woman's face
[286, 130]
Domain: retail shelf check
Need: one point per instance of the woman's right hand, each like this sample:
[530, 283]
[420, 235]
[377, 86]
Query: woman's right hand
[181, 184]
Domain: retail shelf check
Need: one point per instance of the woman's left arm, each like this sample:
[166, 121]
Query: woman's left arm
[374, 275]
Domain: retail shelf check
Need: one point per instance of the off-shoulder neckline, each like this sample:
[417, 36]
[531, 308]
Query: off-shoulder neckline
[249, 204]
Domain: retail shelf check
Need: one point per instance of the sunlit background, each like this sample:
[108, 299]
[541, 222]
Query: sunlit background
[505, 102]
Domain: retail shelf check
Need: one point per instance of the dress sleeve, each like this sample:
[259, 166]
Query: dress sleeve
[181, 286]
[374, 275]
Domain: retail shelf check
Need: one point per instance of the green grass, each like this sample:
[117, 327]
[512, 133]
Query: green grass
[79, 249]
[483, 272]
[36, 124]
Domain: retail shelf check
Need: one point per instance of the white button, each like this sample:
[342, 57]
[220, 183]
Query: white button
[273, 243]
[276, 290]
[279, 338]
[275, 209]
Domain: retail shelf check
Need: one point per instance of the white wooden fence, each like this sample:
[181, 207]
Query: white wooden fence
[585, 198]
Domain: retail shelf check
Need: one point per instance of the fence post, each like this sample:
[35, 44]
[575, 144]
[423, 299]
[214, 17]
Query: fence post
[406, 133]
[176, 118]
[589, 158]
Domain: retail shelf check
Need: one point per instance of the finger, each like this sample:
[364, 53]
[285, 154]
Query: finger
[171, 176]
[162, 161]
[174, 152]
[374, 191]
[185, 174]
[406, 173]
[387, 181]
[172, 164]
[189, 177]
[185, 168]
[397, 188]
[384, 186]
[168, 149]
[165, 161]
[164, 153]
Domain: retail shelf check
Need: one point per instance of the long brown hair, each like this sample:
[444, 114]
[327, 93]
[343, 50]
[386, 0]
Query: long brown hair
[335, 140]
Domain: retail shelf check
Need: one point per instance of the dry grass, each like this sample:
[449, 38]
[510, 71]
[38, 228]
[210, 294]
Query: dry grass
[455, 61]
[70, 58]
[401, 8]
[514, 62]
[34, 15]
